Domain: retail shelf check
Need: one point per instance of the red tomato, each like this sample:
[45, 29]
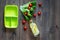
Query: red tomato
[40, 4]
[23, 21]
[34, 15]
[29, 8]
[30, 5]
[25, 28]
[26, 13]
[39, 13]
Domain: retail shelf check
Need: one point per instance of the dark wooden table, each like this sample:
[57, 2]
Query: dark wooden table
[48, 23]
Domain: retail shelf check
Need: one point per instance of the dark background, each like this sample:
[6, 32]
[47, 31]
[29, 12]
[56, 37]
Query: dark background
[48, 23]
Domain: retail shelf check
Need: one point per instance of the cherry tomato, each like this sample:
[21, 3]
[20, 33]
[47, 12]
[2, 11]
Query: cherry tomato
[29, 8]
[25, 28]
[23, 21]
[30, 5]
[40, 4]
[34, 15]
[39, 13]
[26, 13]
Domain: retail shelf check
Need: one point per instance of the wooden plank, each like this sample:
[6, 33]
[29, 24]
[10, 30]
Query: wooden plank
[57, 14]
[12, 34]
[2, 29]
[52, 20]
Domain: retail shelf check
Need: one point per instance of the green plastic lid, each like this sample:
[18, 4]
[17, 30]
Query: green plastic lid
[11, 16]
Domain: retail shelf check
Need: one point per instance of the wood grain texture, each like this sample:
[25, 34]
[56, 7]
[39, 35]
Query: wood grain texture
[46, 23]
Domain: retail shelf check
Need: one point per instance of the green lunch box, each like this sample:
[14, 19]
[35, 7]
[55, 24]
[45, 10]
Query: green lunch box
[11, 16]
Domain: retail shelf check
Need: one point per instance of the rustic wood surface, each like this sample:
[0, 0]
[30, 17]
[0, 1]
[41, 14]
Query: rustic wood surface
[48, 23]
